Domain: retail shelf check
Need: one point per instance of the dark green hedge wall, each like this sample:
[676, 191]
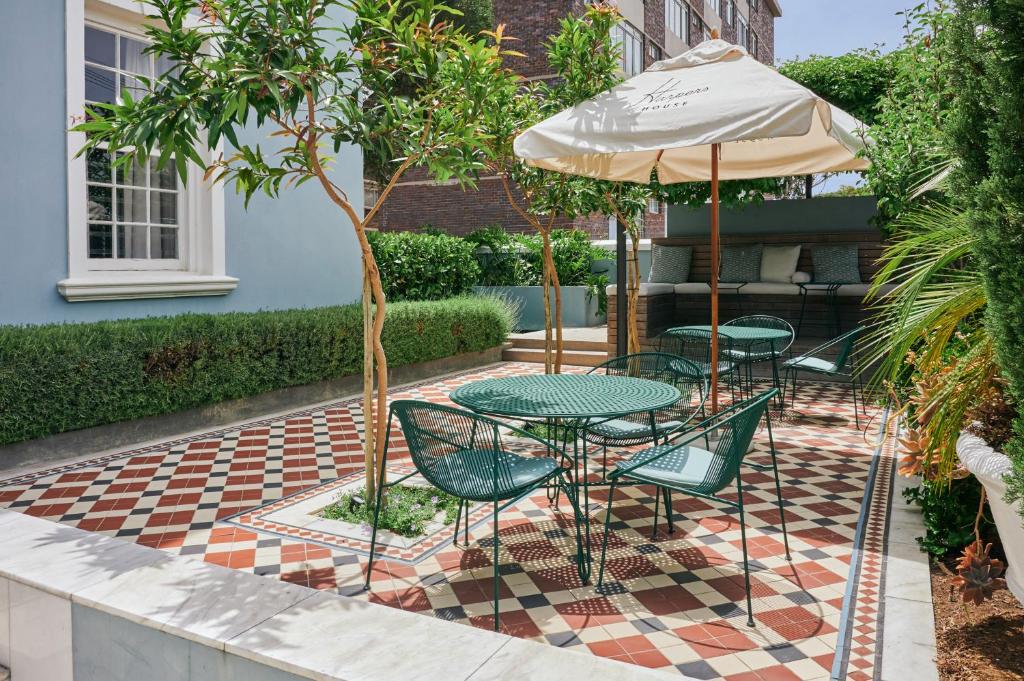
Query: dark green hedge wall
[65, 377]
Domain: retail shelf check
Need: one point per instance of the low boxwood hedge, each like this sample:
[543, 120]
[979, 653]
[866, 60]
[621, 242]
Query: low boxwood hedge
[56, 378]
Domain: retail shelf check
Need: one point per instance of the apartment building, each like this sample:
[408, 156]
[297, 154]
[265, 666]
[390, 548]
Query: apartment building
[651, 30]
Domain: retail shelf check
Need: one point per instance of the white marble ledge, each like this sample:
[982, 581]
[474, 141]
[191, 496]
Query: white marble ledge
[312, 634]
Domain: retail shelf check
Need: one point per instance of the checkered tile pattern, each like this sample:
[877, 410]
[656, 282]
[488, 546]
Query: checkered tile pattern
[673, 600]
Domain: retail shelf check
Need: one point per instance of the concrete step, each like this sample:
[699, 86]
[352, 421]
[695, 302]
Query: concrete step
[585, 358]
[568, 344]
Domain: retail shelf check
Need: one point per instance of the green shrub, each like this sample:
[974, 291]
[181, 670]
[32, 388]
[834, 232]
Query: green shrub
[415, 266]
[407, 510]
[57, 378]
[517, 259]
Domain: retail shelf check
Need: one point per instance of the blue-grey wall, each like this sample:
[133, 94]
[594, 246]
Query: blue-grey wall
[828, 214]
[296, 251]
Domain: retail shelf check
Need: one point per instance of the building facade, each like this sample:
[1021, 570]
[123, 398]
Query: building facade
[651, 30]
[85, 243]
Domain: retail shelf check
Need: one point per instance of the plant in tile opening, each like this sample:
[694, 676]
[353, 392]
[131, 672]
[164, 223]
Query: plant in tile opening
[396, 79]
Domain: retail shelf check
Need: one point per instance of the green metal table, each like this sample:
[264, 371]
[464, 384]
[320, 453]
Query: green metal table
[574, 401]
[739, 335]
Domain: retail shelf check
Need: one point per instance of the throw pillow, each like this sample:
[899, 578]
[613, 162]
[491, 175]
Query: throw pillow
[836, 264]
[670, 264]
[740, 264]
[778, 263]
[800, 278]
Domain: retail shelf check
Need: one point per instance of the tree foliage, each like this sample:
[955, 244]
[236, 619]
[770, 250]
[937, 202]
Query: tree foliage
[856, 82]
[985, 131]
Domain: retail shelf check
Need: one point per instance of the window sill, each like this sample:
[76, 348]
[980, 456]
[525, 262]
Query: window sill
[135, 285]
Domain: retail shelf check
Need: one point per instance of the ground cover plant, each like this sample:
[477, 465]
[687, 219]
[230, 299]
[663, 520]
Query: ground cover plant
[407, 513]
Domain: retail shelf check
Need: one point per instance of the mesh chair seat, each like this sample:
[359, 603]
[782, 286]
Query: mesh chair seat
[812, 364]
[474, 470]
[724, 367]
[687, 467]
[620, 429]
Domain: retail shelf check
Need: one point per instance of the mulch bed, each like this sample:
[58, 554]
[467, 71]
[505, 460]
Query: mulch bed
[977, 643]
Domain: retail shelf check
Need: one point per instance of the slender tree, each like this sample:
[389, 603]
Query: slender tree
[329, 80]
[585, 62]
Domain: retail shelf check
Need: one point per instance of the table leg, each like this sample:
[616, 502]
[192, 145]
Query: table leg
[583, 553]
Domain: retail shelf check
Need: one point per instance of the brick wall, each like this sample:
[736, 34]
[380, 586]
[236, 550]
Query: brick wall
[763, 24]
[531, 23]
[654, 27]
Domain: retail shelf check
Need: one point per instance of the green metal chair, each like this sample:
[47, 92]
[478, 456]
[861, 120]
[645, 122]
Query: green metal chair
[644, 427]
[841, 365]
[764, 351]
[704, 473]
[462, 454]
[695, 346]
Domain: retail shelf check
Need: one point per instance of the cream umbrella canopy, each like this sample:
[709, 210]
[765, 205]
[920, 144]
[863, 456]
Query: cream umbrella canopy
[713, 113]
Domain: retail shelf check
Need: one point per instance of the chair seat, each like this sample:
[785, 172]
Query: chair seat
[744, 356]
[688, 467]
[469, 473]
[621, 429]
[817, 364]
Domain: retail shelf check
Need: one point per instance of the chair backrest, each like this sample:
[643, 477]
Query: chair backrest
[733, 434]
[846, 343]
[664, 368]
[761, 321]
[442, 441]
[692, 344]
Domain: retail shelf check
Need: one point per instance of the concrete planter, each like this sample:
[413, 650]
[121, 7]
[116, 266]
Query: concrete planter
[990, 466]
[579, 308]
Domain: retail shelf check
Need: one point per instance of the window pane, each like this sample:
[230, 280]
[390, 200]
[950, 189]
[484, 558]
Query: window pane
[131, 241]
[163, 179]
[99, 203]
[133, 175]
[99, 85]
[99, 46]
[134, 87]
[131, 205]
[98, 165]
[132, 58]
[163, 208]
[101, 245]
[163, 243]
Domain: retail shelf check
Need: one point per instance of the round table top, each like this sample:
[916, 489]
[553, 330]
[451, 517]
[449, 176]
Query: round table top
[739, 333]
[569, 396]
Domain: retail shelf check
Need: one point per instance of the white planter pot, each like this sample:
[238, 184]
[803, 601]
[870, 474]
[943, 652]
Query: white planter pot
[989, 466]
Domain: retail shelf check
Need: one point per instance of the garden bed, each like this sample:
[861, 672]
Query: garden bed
[977, 643]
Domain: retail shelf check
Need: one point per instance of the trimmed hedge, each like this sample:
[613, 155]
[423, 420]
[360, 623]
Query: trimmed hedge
[421, 266]
[57, 378]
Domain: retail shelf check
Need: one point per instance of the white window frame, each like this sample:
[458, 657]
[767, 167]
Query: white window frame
[675, 17]
[201, 266]
[629, 37]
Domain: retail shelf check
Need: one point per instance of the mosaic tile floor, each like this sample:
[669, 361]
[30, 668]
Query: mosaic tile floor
[673, 601]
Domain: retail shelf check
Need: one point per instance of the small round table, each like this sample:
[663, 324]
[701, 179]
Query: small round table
[578, 399]
[740, 335]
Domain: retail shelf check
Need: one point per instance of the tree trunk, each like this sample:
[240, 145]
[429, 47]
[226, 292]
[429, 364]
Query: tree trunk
[552, 283]
[369, 451]
[634, 293]
[547, 268]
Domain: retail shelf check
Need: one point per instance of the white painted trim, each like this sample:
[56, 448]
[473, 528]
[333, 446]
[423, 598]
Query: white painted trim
[202, 245]
[609, 244]
[134, 285]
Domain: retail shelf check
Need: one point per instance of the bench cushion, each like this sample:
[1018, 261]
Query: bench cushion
[647, 289]
[692, 287]
[670, 264]
[770, 288]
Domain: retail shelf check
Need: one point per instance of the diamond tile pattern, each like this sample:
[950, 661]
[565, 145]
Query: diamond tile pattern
[674, 601]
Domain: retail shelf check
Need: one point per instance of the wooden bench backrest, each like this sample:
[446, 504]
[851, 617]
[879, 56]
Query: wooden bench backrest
[869, 249]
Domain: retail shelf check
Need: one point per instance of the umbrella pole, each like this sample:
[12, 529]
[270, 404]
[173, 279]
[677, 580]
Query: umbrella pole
[714, 278]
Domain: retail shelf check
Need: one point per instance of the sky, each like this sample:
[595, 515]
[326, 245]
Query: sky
[834, 27]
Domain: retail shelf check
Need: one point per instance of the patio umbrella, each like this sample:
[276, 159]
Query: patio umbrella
[713, 113]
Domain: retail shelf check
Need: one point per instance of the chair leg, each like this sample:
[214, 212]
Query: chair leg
[667, 493]
[657, 510]
[458, 521]
[778, 483]
[497, 584]
[604, 542]
[746, 562]
[775, 380]
[856, 411]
